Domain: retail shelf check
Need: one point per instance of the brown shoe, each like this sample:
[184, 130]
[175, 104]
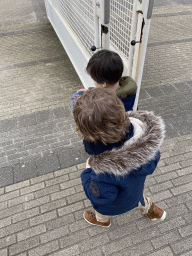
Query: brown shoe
[91, 219]
[156, 213]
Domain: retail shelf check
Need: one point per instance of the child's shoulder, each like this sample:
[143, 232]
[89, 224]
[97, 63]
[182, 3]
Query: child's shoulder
[127, 88]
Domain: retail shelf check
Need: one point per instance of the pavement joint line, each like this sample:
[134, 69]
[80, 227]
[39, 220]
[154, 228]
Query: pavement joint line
[171, 14]
[32, 63]
[179, 41]
[25, 31]
[22, 22]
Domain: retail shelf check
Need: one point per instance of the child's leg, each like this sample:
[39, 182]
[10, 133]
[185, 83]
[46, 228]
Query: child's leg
[101, 218]
[145, 209]
[151, 210]
[97, 219]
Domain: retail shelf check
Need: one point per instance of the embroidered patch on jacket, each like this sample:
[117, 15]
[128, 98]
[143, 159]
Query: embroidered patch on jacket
[94, 189]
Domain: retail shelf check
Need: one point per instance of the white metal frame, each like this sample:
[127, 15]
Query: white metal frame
[124, 25]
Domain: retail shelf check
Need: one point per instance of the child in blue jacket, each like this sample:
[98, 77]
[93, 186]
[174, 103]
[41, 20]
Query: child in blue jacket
[105, 68]
[123, 149]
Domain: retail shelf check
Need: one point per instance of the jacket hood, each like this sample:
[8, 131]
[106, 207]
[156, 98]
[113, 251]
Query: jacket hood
[149, 133]
[127, 88]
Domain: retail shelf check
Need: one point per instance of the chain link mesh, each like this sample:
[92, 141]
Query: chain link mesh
[79, 15]
[120, 25]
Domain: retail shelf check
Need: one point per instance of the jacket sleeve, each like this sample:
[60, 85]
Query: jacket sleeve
[148, 168]
[97, 191]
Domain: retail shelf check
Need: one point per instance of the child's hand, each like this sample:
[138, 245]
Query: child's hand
[87, 164]
[82, 90]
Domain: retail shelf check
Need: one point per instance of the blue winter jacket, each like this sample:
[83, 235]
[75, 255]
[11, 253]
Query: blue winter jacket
[115, 182]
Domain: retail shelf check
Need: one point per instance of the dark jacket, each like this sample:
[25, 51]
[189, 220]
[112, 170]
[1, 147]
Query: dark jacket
[115, 182]
[127, 92]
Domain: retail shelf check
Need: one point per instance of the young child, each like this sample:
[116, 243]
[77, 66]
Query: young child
[123, 149]
[106, 68]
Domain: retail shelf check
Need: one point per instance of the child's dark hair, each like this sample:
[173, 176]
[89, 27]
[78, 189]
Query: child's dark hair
[105, 67]
[100, 117]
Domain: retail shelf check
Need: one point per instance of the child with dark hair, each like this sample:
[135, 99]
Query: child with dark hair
[123, 148]
[105, 68]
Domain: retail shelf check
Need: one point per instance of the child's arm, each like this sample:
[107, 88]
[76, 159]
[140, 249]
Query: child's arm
[82, 90]
[98, 192]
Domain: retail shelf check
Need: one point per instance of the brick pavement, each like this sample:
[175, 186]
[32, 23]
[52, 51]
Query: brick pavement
[41, 213]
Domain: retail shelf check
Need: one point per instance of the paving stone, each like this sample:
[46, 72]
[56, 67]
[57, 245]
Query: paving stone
[26, 120]
[43, 116]
[171, 224]
[5, 222]
[8, 124]
[47, 164]
[186, 231]
[25, 215]
[165, 252]
[14, 228]
[54, 234]
[52, 182]
[182, 245]
[21, 199]
[53, 205]
[187, 253]
[71, 251]
[42, 218]
[61, 112]
[137, 250]
[32, 188]
[41, 178]
[25, 171]
[69, 157]
[178, 199]
[74, 238]
[166, 239]
[161, 186]
[37, 230]
[17, 186]
[70, 208]
[6, 175]
[181, 189]
[60, 221]
[46, 191]
[3, 252]
[7, 241]
[23, 246]
[36, 202]
[44, 249]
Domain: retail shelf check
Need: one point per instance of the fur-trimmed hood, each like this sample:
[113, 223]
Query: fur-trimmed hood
[149, 133]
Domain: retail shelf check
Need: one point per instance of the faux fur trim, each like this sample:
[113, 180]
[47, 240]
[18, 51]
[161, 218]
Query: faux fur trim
[149, 133]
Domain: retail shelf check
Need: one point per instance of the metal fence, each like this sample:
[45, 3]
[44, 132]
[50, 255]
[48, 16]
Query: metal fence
[107, 24]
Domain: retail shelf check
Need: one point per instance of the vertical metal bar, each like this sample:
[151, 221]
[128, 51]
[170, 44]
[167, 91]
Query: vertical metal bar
[142, 50]
[133, 32]
[96, 26]
[105, 20]
[136, 52]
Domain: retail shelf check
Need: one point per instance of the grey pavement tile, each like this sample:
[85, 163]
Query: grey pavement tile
[26, 120]
[70, 156]
[183, 87]
[168, 89]
[47, 164]
[8, 124]
[143, 94]
[44, 116]
[6, 176]
[61, 112]
[24, 171]
[155, 91]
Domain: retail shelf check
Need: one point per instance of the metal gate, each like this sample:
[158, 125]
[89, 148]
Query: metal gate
[118, 25]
